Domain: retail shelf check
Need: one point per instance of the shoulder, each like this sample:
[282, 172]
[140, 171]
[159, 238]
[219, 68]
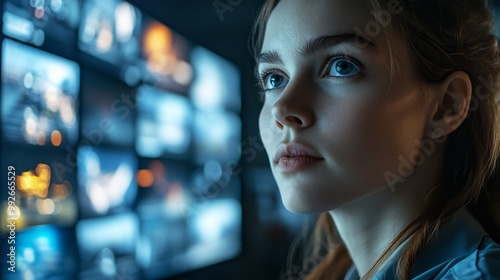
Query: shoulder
[462, 250]
[482, 264]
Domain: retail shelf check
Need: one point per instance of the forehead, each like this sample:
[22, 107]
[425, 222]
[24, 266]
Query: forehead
[296, 21]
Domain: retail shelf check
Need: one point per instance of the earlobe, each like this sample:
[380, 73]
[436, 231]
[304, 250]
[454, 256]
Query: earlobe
[452, 100]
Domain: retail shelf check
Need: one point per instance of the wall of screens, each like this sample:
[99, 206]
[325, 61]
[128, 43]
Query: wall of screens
[123, 137]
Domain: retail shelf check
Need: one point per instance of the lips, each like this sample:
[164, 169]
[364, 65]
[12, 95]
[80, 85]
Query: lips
[294, 157]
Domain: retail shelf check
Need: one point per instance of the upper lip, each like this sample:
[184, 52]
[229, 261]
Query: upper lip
[294, 150]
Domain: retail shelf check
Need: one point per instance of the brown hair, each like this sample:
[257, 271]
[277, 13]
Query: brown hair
[443, 36]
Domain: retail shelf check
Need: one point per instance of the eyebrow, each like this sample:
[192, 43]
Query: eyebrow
[317, 44]
[271, 57]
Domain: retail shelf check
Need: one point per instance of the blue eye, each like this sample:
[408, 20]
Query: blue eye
[273, 81]
[343, 67]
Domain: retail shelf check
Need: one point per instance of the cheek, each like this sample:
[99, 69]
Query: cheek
[265, 121]
[369, 138]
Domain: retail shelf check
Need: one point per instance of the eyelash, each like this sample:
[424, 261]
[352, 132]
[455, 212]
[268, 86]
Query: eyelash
[261, 77]
[338, 56]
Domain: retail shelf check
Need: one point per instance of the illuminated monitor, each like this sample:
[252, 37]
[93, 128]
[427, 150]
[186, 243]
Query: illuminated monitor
[217, 84]
[165, 57]
[161, 180]
[107, 247]
[217, 136]
[39, 96]
[143, 49]
[215, 94]
[45, 185]
[189, 219]
[164, 123]
[39, 22]
[42, 252]
[108, 111]
[106, 180]
[110, 31]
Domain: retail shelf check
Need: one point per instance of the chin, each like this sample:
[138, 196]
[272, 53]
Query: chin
[311, 200]
[302, 205]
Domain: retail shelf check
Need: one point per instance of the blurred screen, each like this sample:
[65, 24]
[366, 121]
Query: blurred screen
[108, 111]
[216, 232]
[171, 245]
[215, 94]
[44, 252]
[39, 96]
[217, 82]
[164, 123]
[165, 180]
[110, 30]
[108, 247]
[140, 47]
[217, 136]
[165, 58]
[45, 186]
[35, 21]
[106, 180]
[125, 165]
[185, 226]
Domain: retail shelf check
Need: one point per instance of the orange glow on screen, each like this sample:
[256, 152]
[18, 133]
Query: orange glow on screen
[56, 138]
[145, 178]
[158, 49]
[35, 183]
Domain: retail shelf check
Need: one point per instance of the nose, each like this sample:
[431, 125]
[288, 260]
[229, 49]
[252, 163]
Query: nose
[293, 109]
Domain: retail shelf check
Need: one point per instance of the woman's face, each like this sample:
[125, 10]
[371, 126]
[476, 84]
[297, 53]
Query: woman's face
[333, 122]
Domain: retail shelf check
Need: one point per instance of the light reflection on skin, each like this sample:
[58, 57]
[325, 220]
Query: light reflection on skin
[356, 123]
[328, 98]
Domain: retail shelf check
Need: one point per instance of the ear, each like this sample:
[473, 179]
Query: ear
[451, 100]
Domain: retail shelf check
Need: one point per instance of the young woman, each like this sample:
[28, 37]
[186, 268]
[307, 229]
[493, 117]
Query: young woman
[383, 115]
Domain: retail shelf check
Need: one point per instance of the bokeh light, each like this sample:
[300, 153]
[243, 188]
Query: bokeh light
[56, 138]
[145, 178]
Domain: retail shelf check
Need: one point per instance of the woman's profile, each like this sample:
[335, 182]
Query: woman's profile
[383, 115]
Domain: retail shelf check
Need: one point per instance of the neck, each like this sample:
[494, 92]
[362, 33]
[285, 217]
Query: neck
[368, 226]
